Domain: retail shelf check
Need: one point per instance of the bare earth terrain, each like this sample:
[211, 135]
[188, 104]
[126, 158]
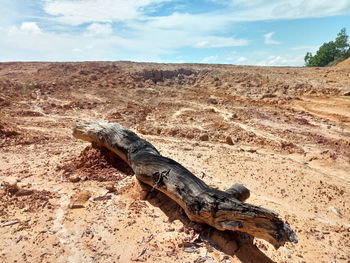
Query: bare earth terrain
[282, 132]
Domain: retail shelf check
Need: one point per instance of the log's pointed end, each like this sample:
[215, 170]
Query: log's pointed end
[80, 128]
[286, 235]
[89, 130]
[292, 237]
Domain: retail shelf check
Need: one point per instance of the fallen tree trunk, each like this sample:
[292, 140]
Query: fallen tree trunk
[223, 210]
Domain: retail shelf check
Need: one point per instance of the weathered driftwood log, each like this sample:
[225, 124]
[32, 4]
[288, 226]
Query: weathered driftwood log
[223, 210]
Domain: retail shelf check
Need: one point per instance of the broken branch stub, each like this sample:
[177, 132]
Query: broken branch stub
[223, 210]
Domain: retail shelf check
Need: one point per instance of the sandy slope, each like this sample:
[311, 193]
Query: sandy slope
[290, 129]
[344, 63]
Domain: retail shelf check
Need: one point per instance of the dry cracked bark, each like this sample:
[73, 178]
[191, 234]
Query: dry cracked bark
[223, 210]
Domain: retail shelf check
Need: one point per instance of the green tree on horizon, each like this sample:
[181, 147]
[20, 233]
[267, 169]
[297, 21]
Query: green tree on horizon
[331, 52]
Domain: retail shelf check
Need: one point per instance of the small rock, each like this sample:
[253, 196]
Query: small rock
[312, 158]
[190, 250]
[171, 254]
[186, 244]
[111, 188]
[146, 230]
[102, 198]
[335, 211]
[181, 229]
[200, 260]
[24, 192]
[201, 175]
[204, 137]
[234, 116]
[10, 223]
[10, 181]
[73, 179]
[79, 199]
[229, 140]
[346, 93]
[250, 150]
[10, 186]
[287, 252]
[226, 258]
[268, 95]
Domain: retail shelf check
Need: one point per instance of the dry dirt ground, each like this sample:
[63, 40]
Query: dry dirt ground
[282, 132]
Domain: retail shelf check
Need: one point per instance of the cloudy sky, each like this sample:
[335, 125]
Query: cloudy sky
[246, 32]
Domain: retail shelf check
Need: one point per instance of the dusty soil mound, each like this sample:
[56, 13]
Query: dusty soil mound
[14, 198]
[11, 135]
[6, 131]
[97, 164]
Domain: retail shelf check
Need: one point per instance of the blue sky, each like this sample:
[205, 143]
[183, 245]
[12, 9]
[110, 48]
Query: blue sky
[256, 32]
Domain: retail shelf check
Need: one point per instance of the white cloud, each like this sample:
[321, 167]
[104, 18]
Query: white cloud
[179, 20]
[30, 27]
[279, 60]
[194, 23]
[146, 37]
[268, 39]
[46, 46]
[97, 29]
[232, 57]
[86, 11]
[217, 42]
[306, 48]
[245, 3]
[241, 60]
[259, 10]
[237, 58]
[210, 59]
[265, 58]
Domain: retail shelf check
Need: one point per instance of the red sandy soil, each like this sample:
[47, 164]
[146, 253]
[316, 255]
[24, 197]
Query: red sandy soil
[282, 132]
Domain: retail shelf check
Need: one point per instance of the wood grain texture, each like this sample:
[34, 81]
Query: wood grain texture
[223, 210]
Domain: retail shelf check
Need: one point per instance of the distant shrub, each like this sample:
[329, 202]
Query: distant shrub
[330, 53]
